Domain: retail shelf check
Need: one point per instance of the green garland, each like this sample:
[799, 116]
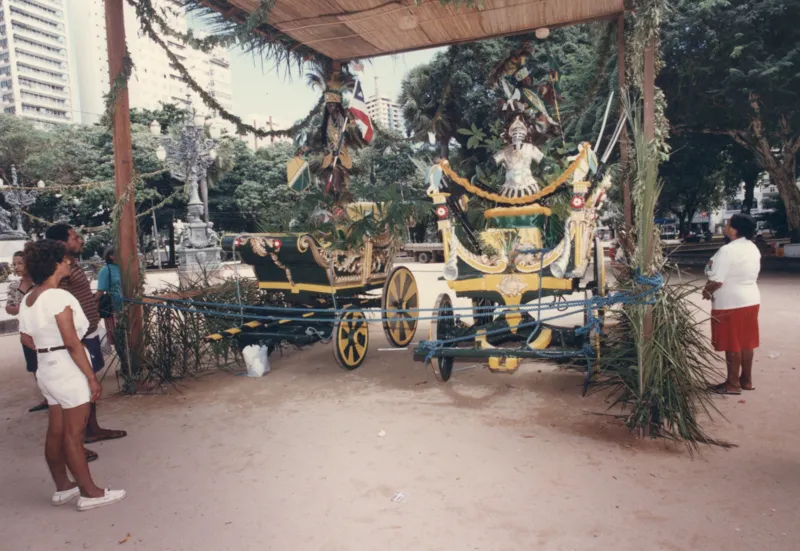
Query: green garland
[646, 29]
[120, 83]
[144, 10]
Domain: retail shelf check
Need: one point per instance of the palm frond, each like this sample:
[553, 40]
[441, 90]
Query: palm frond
[658, 364]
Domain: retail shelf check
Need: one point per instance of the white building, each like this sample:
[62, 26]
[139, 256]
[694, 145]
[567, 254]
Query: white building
[154, 81]
[765, 195]
[34, 61]
[385, 112]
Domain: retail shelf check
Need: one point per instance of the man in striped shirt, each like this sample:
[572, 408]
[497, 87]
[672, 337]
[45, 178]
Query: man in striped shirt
[78, 284]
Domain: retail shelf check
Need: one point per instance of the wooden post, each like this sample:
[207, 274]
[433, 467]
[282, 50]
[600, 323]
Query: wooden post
[128, 254]
[171, 239]
[271, 138]
[648, 88]
[623, 138]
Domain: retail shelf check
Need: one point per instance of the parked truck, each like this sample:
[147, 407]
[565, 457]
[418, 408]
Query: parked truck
[425, 252]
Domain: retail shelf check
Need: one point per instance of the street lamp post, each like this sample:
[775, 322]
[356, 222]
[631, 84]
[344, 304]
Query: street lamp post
[188, 155]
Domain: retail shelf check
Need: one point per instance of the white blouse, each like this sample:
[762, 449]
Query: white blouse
[39, 320]
[736, 265]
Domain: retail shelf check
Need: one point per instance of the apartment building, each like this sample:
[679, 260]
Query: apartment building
[385, 112]
[154, 80]
[35, 81]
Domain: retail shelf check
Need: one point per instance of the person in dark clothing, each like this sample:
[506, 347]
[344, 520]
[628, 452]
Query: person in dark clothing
[16, 292]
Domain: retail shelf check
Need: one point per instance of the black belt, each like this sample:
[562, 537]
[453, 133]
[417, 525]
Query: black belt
[51, 349]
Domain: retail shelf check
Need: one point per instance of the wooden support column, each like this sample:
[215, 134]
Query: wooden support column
[623, 138]
[127, 254]
[648, 88]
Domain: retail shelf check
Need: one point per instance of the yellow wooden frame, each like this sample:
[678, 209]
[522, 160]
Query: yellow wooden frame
[311, 287]
[501, 212]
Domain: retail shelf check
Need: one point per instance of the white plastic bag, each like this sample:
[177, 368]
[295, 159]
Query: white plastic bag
[256, 360]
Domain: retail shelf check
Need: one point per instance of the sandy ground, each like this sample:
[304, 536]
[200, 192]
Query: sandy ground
[294, 461]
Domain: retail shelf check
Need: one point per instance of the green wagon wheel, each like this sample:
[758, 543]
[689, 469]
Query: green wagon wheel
[400, 292]
[481, 311]
[442, 329]
[351, 339]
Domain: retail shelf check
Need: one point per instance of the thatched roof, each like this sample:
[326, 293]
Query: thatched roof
[351, 29]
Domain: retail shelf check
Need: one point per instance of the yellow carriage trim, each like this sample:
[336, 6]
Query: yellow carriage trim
[226, 334]
[496, 197]
[543, 340]
[501, 212]
[496, 264]
[498, 282]
[306, 287]
[530, 263]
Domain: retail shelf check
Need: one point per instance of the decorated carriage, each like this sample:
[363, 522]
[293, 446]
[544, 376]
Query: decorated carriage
[316, 285]
[313, 292]
[524, 254]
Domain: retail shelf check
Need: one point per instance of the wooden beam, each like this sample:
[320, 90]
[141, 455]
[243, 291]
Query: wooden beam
[623, 139]
[648, 87]
[128, 253]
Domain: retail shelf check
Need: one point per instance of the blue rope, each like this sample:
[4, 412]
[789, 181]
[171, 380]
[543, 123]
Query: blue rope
[646, 296]
[561, 305]
[595, 302]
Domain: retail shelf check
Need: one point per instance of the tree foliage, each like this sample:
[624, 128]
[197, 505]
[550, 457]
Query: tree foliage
[732, 68]
[697, 177]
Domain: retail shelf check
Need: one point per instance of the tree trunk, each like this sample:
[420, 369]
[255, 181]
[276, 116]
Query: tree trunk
[781, 167]
[786, 181]
[689, 217]
[204, 191]
[172, 241]
[445, 147]
[749, 193]
[681, 218]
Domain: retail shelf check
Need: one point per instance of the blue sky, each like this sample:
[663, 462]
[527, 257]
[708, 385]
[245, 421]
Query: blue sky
[264, 91]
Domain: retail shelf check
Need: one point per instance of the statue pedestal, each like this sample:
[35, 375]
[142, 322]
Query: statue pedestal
[199, 265]
[9, 244]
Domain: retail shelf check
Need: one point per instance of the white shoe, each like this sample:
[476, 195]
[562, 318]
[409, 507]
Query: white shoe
[111, 496]
[60, 498]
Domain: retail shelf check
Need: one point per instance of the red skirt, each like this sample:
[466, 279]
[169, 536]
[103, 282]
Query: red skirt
[735, 330]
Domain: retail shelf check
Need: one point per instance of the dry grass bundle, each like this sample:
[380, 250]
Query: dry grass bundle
[658, 365]
[173, 346]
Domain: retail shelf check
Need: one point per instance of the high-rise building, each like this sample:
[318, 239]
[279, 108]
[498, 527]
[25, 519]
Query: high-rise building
[385, 112]
[154, 80]
[34, 61]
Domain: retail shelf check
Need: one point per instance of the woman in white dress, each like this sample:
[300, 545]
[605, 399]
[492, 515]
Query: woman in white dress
[50, 322]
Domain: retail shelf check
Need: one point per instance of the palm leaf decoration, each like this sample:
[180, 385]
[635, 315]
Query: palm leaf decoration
[658, 364]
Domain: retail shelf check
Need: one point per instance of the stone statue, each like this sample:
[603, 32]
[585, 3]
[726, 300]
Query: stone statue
[5, 222]
[517, 157]
[18, 199]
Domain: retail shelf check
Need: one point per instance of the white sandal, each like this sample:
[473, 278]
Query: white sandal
[111, 496]
[60, 498]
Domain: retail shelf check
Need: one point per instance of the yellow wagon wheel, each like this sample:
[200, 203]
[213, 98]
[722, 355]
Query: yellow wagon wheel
[400, 292]
[351, 339]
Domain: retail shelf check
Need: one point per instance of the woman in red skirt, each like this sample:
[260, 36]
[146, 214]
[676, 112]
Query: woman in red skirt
[735, 299]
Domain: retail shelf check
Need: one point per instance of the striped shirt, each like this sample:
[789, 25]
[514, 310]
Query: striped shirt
[78, 284]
